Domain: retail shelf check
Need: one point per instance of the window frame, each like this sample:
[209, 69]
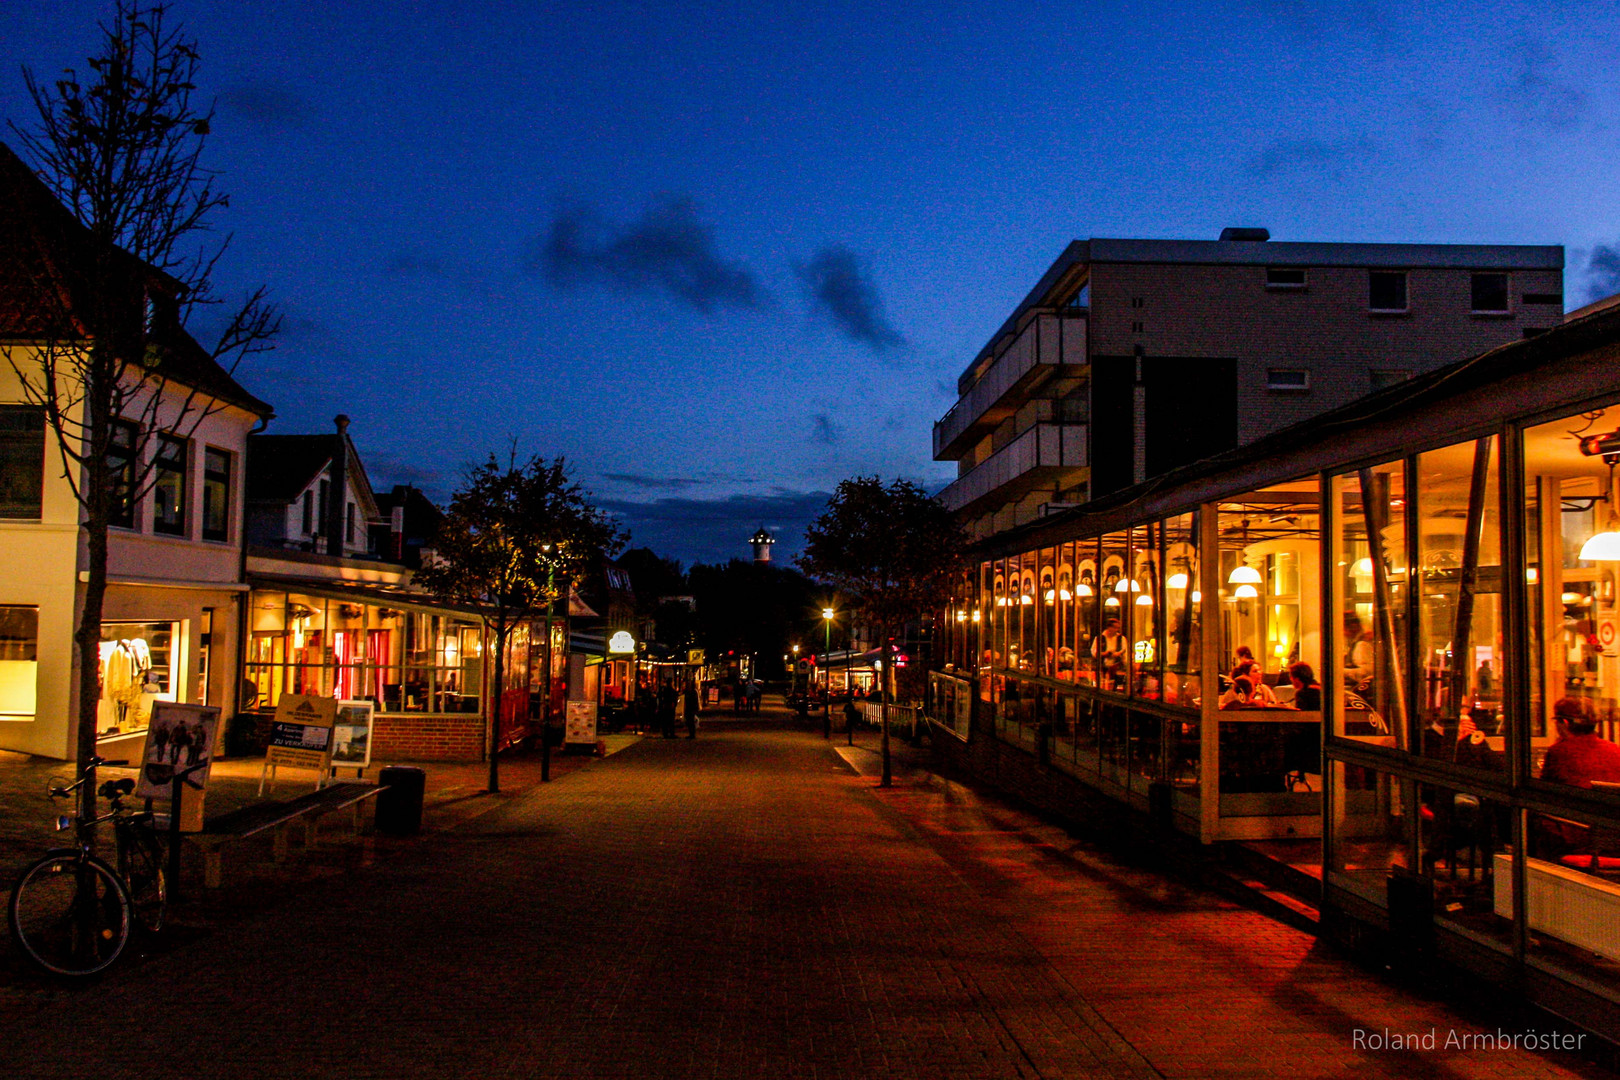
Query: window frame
[1473, 292]
[121, 509]
[1287, 286]
[1287, 387]
[1406, 292]
[23, 409]
[210, 479]
[163, 467]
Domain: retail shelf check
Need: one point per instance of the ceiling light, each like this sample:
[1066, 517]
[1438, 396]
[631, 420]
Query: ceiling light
[1244, 575]
[1176, 581]
[1246, 592]
[1603, 546]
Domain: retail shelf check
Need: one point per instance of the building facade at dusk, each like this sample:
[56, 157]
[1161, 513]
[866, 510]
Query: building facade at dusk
[1377, 653]
[1131, 357]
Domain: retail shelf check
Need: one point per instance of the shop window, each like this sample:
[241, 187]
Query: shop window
[1145, 595]
[122, 450]
[1571, 900]
[1386, 290]
[216, 494]
[1489, 294]
[19, 660]
[1269, 554]
[1572, 560]
[1370, 597]
[1183, 640]
[169, 487]
[140, 665]
[1087, 611]
[1458, 589]
[1465, 846]
[1112, 647]
[22, 461]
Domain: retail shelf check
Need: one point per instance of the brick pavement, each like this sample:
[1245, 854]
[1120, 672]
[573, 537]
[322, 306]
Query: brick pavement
[746, 905]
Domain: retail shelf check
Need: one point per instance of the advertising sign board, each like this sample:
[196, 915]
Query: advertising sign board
[581, 723]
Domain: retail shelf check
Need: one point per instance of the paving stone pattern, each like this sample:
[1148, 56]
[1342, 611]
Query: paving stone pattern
[743, 905]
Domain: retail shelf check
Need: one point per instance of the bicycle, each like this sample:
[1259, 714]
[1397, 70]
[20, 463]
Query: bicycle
[73, 914]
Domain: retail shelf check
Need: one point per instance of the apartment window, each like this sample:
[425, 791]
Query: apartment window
[22, 461]
[323, 509]
[1386, 290]
[1082, 298]
[309, 513]
[348, 523]
[169, 487]
[1490, 294]
[122, 446]
[1288, 379]
[1285, 277]
[1382, 377]
[216, 508]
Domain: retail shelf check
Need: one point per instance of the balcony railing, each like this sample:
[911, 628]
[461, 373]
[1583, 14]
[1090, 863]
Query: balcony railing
[1048, 342]
[1029, 460]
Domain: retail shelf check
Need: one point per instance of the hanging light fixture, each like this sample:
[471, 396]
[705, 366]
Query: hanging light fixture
[1127, 584]
[1176, 581]
[1603, 546]
[1144, 600]
[1246, 592]
[1362, 567]
[1085, 589]
[1244, 574]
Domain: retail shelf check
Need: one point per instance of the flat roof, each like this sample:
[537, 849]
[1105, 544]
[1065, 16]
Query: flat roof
[1105, 250]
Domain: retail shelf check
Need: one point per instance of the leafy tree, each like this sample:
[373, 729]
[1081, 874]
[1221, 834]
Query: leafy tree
[513, 540]
[894, 551]
[121, 150]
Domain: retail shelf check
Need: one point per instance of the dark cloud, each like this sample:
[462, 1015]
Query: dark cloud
[415, 264]
[1304, 155]
[1603, 272]
[667, 251]
[824, 431]
[652, 483]
[837, 287]
[266, 105]
[1534, 94]
[716, 530]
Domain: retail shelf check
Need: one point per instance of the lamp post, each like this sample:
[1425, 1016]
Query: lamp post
[551, 600]
[826, 697]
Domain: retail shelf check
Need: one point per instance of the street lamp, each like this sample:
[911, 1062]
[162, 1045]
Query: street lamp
[826, 697]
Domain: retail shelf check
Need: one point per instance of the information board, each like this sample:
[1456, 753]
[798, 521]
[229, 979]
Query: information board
[300, 735]
[351, 735]
[581, 723]
[179, 737]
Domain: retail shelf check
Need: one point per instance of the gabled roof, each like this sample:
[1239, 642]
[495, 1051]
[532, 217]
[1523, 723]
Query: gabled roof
[47, 261]
[281, 467]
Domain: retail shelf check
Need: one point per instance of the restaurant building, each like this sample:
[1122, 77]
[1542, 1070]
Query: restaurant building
[332, 611]
[1425, 748]
[1132, 357]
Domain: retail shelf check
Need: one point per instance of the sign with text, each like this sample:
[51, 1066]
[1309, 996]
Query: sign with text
[301, 733]
[581, 723]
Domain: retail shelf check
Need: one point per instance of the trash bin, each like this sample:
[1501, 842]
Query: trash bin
[399, 804]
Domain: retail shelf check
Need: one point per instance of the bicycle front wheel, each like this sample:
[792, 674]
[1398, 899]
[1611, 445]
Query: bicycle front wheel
[70, 915]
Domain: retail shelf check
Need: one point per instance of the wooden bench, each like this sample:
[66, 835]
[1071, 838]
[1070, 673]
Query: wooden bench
[276, 818]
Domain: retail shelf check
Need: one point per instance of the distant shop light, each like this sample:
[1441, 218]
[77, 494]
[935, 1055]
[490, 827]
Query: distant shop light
[621, 642]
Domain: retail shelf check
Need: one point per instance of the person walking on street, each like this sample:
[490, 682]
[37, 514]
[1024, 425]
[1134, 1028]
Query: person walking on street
[690, 700]
[666, 710]
[849, 719]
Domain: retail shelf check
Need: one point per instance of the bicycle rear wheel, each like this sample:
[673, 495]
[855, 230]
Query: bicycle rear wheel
[70, 915]
[144, 876]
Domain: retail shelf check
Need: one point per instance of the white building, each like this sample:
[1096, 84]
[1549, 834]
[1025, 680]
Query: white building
[174, 602]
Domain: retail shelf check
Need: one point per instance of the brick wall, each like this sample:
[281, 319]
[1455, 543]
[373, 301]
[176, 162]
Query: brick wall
[436, 738]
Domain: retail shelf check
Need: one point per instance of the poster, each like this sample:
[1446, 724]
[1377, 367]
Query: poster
[179, 737]
[581, 723]
[301, 733]
[351, 735]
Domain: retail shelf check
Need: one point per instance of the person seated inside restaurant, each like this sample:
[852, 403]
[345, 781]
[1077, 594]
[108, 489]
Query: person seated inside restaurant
[1307, 691]
[1241, 695]
[1580, 756]
[1261, 695]
[1467, 745]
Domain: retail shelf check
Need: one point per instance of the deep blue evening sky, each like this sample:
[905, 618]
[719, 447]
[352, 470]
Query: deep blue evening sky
[722, 256]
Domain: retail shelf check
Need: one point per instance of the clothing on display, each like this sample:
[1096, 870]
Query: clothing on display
[126, 671]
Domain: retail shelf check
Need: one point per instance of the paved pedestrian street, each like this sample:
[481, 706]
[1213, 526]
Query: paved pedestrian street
[748, 904]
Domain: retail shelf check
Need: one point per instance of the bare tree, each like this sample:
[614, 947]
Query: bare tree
[129, 256]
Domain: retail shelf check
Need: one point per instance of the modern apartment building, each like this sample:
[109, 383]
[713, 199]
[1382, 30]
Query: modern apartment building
[1132, 357]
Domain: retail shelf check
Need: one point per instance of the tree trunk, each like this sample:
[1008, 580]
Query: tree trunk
[496, 692]
[87, 637]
